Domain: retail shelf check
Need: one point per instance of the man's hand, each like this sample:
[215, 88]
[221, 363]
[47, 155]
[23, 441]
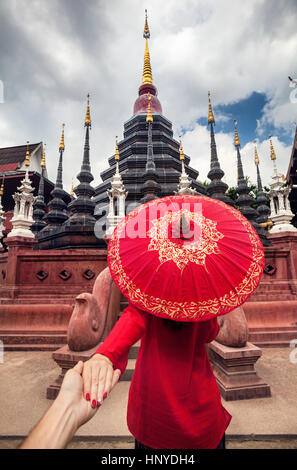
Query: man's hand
[99, 378]
[68, 412]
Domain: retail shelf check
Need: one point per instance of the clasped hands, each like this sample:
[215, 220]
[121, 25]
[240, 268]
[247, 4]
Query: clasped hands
[87, 385]
[83, 390]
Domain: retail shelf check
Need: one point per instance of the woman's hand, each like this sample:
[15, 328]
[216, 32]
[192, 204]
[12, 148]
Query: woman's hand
[99, 379]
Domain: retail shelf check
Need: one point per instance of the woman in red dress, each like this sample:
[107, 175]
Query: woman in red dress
[174, 401]
[197, 259]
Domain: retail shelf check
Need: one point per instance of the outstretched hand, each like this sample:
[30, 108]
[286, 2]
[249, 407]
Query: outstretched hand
[99, 378]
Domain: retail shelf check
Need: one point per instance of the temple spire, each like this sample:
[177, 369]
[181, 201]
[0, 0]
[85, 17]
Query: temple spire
[211, 118]
[27, 158]
[262, 203]
[217, 188]
[82, 207]
[150, 164]
[117, 196]
[59, 179]
[184, 186]
[39, 204]
[23, 209]
[151, 187]
[147, 77]
[149, 117]
[245, 202]
[272, 155]
[56, 215]
[88, 121]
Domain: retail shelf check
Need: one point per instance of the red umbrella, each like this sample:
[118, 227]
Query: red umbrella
[187, 258]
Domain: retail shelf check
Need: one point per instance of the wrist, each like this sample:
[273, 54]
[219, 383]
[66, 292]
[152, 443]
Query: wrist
[101, 357]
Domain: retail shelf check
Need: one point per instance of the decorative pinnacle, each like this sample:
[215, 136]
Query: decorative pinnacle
[146, 32]
[43, 165]
[117, 155]
[211, 118]
[149, 117]
[2, 187]
[256, 156]
[236, 141]
[88, 115]
[272, 152]
[27, 160]
[181, 150]
[62, 144]
[147, 76]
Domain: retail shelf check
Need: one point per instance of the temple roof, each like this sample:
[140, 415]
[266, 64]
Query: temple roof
[11, 158]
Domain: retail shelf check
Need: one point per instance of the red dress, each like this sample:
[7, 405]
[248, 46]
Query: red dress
[174, 401]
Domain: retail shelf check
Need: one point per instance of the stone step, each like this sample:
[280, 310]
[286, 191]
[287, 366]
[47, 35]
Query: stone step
[32, 338]
[272, 328]
[274, 297]
[32, 347]
[272, 344]
[275, 338]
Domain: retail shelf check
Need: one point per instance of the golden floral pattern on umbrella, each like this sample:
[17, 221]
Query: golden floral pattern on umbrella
[194, 251]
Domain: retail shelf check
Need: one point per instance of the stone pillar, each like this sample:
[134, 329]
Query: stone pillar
[233, 360]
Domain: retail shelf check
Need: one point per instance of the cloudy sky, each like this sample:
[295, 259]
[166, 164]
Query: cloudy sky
[53, 52]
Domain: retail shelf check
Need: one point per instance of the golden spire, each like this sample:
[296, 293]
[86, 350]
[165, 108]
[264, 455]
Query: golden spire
[272, 152]
[62, 144]
[117, 155]
[181, 150]
[256, 156]
[88, 115]
[2, 188]
[149, 117]
[27, 159]
[147, 76]
[236, 141]
[43, 165]
[210, 113]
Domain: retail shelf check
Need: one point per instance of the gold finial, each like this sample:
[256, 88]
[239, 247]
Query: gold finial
[181, 150]
[147, 76]
[210, 113]
[272, 152]
[62, 144]
[149, 117]
[236, 141]
[88, 115]
[256, 156]
[2, 188]
[43, 165]
[117, 155]
[27, 159]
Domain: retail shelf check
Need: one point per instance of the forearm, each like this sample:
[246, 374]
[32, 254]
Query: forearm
[55, 429]
[126, 332]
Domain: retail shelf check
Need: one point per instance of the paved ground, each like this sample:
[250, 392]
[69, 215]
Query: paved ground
[262, 423]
